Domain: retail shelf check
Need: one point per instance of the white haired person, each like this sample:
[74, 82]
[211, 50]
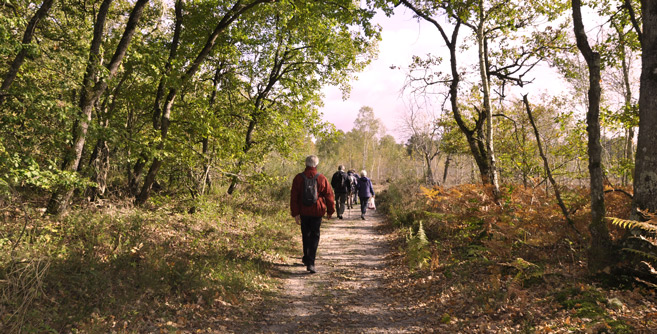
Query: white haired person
[365, 191]
[311, 197]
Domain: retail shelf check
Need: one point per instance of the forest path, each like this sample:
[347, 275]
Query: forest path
[347, 294]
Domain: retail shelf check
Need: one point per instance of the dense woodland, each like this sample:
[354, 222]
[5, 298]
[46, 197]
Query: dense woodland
[147, 148]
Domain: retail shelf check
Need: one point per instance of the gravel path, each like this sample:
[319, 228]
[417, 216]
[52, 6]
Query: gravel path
[346, 295]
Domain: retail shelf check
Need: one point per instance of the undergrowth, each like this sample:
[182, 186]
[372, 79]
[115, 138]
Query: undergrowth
[138, 270]
[501, 259]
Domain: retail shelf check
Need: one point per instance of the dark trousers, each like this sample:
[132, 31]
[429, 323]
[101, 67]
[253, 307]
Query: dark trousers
[363, 204]
[310, 237]
[340, 199]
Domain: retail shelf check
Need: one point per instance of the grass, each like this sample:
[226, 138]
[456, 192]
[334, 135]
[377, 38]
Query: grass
[141, 270]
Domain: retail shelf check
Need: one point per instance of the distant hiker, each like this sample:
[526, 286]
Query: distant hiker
[341, 186]
[311, 197]
[355, 194]
[351, 196]
[365, 191]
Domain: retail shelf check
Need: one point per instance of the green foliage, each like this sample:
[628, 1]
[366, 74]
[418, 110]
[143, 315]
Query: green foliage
[588, 302]
[255, 94]
[124, 264]
[632, 224]
[400, 204]
[643, 241]
[418, 253]
[24, 172]
[528, 273]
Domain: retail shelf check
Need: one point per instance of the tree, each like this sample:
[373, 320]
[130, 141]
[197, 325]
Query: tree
[369, 127]
[93, 88]
[601, 248]
[426, 132]
[546, 164]
[284, 65]
[15, 66]
[496, 23]
[645, 178]
[163, 111]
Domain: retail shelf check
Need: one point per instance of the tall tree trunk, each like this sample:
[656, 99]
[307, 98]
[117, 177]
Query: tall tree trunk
[601, 250]
[645, 172]
[207, 179]
[15, 66]
[629, 138]
[233, 14]
[429, 171]
[485, 87]
[100, 158]
[473, 136]
[206, 183]
[629, 152]
[447, 162]
[59, 200]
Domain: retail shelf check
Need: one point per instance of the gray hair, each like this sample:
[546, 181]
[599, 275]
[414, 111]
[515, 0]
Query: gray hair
[363, 173]
[341, 167]
[312, 161]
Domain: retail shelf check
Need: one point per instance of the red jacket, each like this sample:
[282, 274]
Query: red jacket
[325, 198]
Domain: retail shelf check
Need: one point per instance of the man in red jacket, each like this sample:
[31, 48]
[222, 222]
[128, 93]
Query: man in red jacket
[309, 214]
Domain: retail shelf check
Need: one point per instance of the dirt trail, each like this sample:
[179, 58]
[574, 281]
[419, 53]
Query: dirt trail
[346, 295]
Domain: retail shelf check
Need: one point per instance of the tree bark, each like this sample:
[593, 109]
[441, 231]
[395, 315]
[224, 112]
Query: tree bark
[100, 158]
[485, 87]
[59, 201]
[429, 175]
[15, 66]
[601, 250]
[447, 162]
[645, 172]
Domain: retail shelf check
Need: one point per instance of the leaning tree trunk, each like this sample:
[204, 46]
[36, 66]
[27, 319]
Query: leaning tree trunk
[546, 165]
[233, 14]
[11, 74]
[601, 250]
[93, 90]
[645, 172]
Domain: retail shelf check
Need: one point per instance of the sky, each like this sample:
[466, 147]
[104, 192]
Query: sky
[378, 86]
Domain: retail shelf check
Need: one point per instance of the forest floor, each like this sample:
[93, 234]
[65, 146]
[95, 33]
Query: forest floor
[234, 266]
[348, 294]
[364, 285]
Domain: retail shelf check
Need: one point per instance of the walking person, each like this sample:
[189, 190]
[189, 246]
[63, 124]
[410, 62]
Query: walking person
[351, 196]
[341, 186]
[311, 197]
[365, 191]
[355, 182]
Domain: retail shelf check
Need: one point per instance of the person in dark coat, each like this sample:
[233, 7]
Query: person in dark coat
[341, 186]
[365, 191]
[310, 216]
[352, 195]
